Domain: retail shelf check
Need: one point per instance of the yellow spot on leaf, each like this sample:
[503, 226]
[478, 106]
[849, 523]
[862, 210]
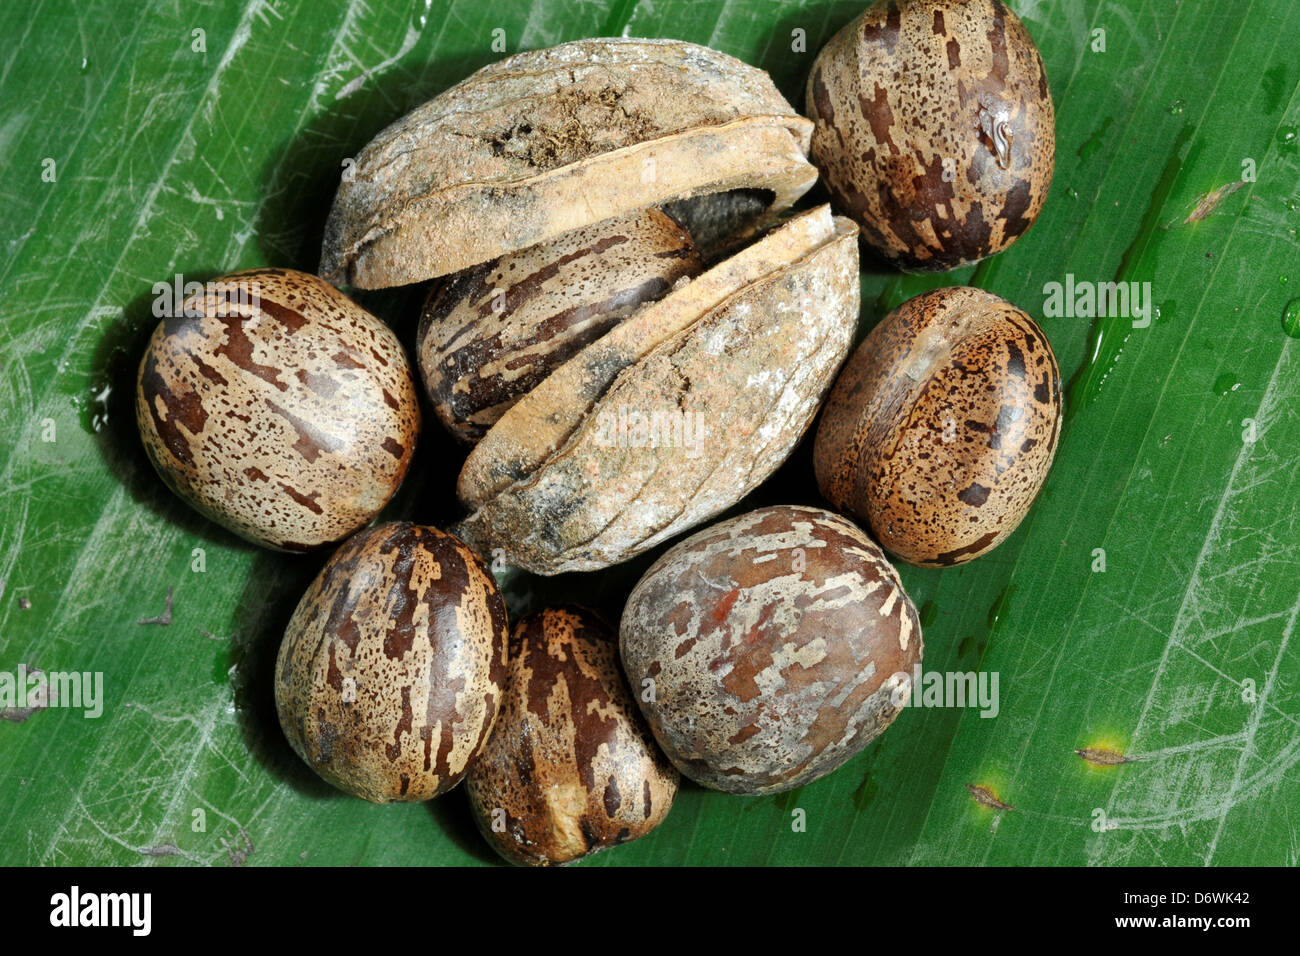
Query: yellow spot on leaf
[1103, 756]
[984, 796]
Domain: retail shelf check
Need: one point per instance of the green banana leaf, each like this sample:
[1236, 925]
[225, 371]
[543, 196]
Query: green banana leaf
[1140, 622]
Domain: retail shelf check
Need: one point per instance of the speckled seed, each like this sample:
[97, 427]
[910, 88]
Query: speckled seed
[942, 426]
[778, 644]
[278, 408]
[934, 129]
[391, 671]
[493, 332]
[570, 768]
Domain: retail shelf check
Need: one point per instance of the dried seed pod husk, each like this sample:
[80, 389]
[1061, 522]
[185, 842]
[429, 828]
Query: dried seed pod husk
[740, 357]
[491, 333]
[279, 408]
[934, 129]
[727, 369]
[942, 427]
[390, 673]
[778, 643]
[570, 768]
[552, 140]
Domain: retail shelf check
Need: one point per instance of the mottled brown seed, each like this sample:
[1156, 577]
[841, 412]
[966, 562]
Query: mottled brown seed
[570, 768]
[492, 333]
[778, 644]
[278, 408]
[942, 426]
[934, 129]
[390, 674]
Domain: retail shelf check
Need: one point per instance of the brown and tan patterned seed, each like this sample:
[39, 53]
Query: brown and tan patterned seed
[491, 333]
[942, 426]
[570, 768]
[278, 408]
[934, 129]
[777, 645]
[391, 671]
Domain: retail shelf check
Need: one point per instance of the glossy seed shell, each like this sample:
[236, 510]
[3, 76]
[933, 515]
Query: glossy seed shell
[278, 408]
[942, 426]
[390, 674]
[570, 768]
[778, 643]
[552, 140]
[934, 129]
[492, 333]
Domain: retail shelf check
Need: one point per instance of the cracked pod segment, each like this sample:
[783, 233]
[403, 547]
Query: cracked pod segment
[627, 323]
[675, 414]
[553, 140]
[491, 334]
[777, 644]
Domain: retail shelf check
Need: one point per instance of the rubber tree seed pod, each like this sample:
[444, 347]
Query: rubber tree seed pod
[675, 412]
[570, 768]
[490, 334]
[942, 426]
[279, 408]
[934, 129]
[390, 674]
[778, 645]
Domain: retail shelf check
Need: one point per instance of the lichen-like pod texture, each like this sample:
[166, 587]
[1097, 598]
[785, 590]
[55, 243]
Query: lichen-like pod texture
[279, 408]
[390, 674]
[776, 645]
[724, 376]
[942, 426]
[570, 768]
[548, 141]
[934, 129]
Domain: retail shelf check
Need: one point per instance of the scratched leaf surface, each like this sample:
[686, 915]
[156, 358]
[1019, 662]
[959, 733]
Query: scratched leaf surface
[176, 151]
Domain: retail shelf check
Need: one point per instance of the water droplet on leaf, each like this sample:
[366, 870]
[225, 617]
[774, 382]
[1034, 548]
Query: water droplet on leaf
[1225, 383]
[1291, 319]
